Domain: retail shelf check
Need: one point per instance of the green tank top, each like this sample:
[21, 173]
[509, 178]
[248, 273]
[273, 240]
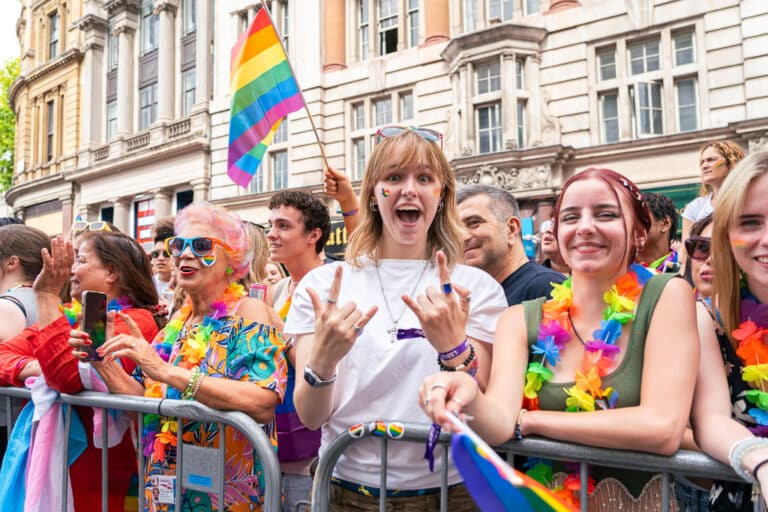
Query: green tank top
[626, 379]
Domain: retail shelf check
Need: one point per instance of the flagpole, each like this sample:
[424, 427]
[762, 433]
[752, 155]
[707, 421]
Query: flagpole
[301, 92]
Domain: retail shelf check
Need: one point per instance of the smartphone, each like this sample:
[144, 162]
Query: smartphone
[258, 291]
[94, 322]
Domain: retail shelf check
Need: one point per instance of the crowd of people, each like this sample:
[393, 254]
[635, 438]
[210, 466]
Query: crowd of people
[624, 337]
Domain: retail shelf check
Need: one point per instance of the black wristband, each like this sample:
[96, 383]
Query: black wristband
[445, 368]
[758, 466]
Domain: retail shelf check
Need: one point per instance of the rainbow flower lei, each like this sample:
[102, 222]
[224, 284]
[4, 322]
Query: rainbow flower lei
[752, 337]
[160, 432]
[600, 352]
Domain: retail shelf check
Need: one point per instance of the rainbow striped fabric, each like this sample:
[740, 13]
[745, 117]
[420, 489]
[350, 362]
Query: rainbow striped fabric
[264, 91]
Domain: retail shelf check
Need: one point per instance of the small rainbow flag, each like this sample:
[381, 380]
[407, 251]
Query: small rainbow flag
[264, 91]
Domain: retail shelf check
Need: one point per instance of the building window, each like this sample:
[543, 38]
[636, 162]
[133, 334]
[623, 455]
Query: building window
[413, 23]
[189, 17]
[532, 6]
[644, 56]
[284, 23]
[111, 119]
[520, 124]
[53, 36]
[279, 170]
[147, 106]
[50, 112]
[609, 117]
[646, 108]
[406, 106]
[281, 134]
[500, 10]
[111, 49]
[470, 15]
[489, 128]
[382, 111]
[358, 156]
[686, 105]
[242, 26]
[520, 72]
[387, 26]
[188, 85]
[358, 116]
[148, 27]
[683, 46]
[606, 63]
[488, 77]
[364, 29]
[256, 186]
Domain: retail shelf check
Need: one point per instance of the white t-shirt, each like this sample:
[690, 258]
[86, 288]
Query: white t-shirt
[378, 379]
[698, 208]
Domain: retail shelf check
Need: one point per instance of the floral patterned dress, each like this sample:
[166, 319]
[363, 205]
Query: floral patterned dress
[237, 349]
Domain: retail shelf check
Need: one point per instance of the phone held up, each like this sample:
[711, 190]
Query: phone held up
[94, 322]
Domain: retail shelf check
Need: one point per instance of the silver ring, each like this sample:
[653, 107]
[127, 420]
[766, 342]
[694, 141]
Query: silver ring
[133, 345]
[426, 402]
[330, 300]
[459, 402]
[358, 330]
[467, 298]
[439, 386]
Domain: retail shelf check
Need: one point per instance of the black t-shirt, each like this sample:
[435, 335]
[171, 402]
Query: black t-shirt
[529, 282]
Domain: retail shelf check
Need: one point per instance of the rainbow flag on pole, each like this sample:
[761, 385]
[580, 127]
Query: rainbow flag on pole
[264, 91]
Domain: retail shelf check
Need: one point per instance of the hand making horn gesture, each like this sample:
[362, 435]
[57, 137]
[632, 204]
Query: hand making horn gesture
[442, 313]
[336, 326]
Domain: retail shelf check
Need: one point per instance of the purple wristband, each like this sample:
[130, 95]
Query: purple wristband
[454, 352]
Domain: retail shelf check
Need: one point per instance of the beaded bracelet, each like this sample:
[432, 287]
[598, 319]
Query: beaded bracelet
[350, 213]
[739, 450]
[187, 394]
[454, 352]
[473, 369]
[197, 386]
[445, 368]
[518, 424]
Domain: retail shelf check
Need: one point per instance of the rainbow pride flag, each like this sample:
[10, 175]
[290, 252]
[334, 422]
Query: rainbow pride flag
[264, 91]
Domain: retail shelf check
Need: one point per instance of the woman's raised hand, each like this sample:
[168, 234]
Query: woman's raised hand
[134, 347]
[57, 266]
[336, 326]
[442, 313]
[446, 391]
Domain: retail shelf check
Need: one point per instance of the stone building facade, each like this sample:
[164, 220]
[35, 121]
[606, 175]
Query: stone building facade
[526, 93]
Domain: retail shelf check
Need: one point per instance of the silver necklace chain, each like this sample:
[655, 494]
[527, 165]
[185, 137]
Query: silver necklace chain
[393, 331]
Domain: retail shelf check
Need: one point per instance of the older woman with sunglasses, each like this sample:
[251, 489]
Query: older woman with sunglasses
[394, 312]
[102, 261]
[730, 406]
[219, 349]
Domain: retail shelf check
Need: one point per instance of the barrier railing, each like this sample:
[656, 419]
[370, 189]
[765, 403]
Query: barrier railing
[685, 462]
[176, 408]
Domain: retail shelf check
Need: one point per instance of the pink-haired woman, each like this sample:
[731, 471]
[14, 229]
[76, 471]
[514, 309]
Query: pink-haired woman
[219, 349]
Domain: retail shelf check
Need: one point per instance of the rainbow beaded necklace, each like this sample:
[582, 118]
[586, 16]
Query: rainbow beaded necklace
[599, 352]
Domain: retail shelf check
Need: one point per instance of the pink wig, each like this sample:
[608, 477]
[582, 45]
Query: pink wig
[226, 226]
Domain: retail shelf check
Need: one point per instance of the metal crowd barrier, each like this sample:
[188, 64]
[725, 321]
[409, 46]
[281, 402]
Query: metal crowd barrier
[684, 462]
[176, 408]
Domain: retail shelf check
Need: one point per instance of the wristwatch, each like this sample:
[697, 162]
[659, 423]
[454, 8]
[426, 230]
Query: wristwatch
[316, 381]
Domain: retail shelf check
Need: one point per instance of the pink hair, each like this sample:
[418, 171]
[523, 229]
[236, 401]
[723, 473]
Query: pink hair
[227, 225]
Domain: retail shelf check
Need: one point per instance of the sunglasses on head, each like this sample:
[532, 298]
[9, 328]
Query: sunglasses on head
[425, 133]
[157, 254]
[698, 247]
[200, 246]
[83, 225]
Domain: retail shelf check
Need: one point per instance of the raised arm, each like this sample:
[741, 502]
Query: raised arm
[669, 375]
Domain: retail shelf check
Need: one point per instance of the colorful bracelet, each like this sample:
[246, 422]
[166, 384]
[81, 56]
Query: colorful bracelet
[445, 368]
[454, 352]
[350, 213]
[187, 394]
[473, 369]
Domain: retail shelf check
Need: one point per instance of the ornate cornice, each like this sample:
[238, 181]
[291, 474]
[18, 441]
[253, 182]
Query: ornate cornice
[509, 34]
[66, 58]
[92, 22]
[116, 6]
[165, 5]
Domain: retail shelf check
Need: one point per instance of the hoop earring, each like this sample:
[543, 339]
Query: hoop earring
[440, 206]
[373, 207]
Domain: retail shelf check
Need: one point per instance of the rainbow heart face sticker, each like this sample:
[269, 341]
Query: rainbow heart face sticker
[385, 192]
[739, 243]
[208, 260]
